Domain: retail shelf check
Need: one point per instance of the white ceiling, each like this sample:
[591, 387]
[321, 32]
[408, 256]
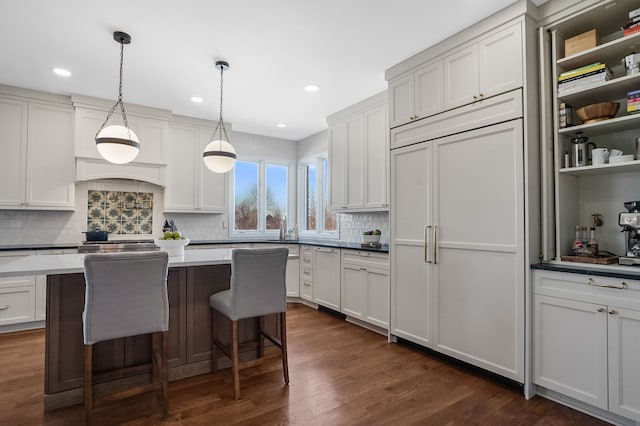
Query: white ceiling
[274, 48]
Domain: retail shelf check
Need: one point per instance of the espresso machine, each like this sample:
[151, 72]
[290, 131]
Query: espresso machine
[630, 222]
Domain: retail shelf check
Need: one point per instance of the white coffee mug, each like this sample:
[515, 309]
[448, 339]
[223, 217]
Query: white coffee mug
[599, 156]
[614, 153]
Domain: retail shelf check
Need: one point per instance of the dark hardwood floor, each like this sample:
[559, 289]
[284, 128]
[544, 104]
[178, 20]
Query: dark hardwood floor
[341, 374]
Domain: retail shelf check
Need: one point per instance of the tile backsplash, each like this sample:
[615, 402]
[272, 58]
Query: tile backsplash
[120, 212]
[353, 224]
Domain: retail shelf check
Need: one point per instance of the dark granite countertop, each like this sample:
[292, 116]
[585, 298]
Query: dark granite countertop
[613, 271]
[316, 242]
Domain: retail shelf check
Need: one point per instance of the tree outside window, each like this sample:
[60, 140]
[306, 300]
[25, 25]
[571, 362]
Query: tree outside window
[260, 196]
[319, 220]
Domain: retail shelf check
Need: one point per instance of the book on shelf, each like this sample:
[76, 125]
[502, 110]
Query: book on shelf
[582, 70]
[583, 82]
[597, 72]
[633, 30]
[631, 22]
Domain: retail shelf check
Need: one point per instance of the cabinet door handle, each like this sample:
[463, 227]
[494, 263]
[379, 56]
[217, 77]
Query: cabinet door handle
[620, 286]
[426, 246]
[475, 97]
[481, 95]
[600, 309]
[612, 312]
[435, 244]
[5, 307]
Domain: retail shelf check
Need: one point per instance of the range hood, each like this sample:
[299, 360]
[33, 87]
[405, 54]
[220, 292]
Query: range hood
[93, 168]
[150, 124]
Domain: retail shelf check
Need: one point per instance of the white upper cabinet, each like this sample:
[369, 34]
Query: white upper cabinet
[417, 94]
[151, 129]
[37, 162]
[489, 67]
[151, 125]
[358, 146]
[191, 187]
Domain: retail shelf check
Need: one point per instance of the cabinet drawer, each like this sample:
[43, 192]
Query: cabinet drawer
[483, 113]
[366, 258]
[601, 290]
[26, 281]
[17, 304]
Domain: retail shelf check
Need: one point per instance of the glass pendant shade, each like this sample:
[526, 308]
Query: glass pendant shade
[219, 156]
[117, 144]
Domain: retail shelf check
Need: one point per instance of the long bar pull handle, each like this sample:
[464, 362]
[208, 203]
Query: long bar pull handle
[426, 246]
[5, 307]
[620, 286]
[435, 244]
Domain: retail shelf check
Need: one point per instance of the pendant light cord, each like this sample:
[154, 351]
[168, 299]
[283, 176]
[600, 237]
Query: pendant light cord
[119, 102]
[220, 126]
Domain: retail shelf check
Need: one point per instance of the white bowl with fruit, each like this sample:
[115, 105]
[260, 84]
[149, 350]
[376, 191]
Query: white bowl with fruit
[371, 237]
[172, 242]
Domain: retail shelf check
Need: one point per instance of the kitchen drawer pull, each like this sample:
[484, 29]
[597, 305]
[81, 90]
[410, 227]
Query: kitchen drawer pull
[325, 250]
[5, 307]
[620, 286]
[306, 284]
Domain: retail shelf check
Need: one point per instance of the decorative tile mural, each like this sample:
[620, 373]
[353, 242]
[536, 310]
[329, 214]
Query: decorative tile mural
[120, 212]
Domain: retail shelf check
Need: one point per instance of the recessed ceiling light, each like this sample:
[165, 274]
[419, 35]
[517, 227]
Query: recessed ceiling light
[196, 99]
[311, 88]
[62, 72]
[281, 125]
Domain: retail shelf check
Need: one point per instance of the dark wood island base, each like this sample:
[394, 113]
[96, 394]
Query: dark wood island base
[121, 362]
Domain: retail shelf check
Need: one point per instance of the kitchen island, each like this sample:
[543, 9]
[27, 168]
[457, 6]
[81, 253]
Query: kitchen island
[191, 280]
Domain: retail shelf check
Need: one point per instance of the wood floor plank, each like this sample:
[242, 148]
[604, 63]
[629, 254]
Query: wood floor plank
[341, 374]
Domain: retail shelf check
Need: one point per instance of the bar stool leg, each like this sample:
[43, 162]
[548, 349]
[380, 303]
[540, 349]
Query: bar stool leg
[165, 374]
[88, 384]
[283, 342]
[214, 343]
[234, 359]
[261, 338]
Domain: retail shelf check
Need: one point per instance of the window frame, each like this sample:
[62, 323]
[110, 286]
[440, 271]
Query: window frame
[321, 178]
[262, 232]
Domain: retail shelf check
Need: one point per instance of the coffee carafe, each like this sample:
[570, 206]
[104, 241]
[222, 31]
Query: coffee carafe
[580, 150]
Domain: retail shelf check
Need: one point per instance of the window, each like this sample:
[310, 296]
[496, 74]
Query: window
[260, 193]
[318, 220]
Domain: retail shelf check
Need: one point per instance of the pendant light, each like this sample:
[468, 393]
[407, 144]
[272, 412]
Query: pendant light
[219, 155]
[118, 144]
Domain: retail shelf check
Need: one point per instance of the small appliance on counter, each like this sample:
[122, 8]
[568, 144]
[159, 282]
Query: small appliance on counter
[630, 223]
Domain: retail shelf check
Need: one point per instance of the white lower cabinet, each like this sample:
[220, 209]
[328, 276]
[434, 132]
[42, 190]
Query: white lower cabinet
[586, 334]
[306, 273]
[365, 286]
[326, 277]
[17, 294]
[17, 303]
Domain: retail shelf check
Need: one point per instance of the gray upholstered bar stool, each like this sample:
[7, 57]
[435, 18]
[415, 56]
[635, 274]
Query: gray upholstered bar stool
[258, 288]
[126, 295]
